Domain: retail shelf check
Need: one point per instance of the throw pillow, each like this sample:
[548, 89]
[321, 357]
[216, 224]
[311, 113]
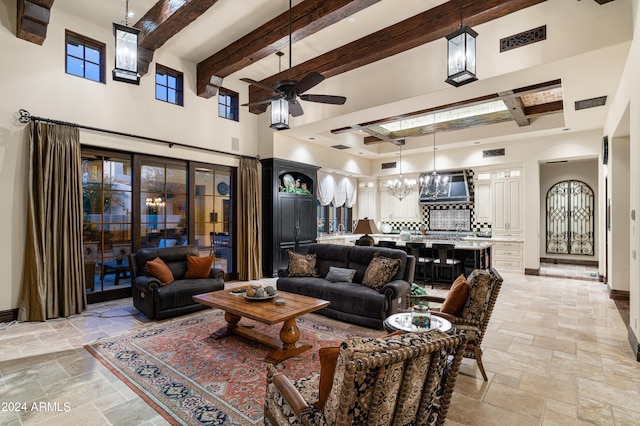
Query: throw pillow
[380, 271]
[302, 265]
[454, 302]
[328, 360]
[340, 275]
[199, 267]
[160, 270]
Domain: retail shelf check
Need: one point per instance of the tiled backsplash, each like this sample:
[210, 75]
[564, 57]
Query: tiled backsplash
[450, 220]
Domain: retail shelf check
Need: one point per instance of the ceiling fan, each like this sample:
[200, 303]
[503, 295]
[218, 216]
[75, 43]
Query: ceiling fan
[290, 89]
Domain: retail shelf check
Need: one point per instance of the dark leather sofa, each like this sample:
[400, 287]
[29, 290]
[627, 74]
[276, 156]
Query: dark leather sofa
[159, 302]
[353, 302]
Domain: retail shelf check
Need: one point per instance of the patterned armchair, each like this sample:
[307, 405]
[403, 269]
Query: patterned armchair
[484, 287]
[399, 379]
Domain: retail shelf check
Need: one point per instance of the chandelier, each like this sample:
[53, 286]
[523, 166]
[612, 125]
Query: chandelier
[434, 185]
[401, 187]
[155, 202]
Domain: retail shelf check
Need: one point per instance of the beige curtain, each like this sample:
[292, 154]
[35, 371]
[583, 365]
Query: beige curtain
[53, 275]
[250, 231]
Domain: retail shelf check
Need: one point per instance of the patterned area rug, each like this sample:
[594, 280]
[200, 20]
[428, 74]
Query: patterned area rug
[192, 379]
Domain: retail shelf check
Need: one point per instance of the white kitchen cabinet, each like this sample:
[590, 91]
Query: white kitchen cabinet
[508, 203]
[366, 201]
[507, 256]
[482, 197]
[394, 210]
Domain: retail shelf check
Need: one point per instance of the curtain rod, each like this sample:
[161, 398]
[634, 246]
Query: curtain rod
[26, 117]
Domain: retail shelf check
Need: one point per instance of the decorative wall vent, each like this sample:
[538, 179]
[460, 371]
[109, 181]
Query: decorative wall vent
[340, 147]
[591, 103]
[499, 152]
[523, 39]
[389, 165]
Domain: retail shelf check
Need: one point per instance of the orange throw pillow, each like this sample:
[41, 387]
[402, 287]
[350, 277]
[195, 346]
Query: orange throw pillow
[199, 267]
[160, 270]
[328, 361]
[454, 302]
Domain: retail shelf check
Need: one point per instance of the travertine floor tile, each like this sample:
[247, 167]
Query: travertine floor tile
[555, 352]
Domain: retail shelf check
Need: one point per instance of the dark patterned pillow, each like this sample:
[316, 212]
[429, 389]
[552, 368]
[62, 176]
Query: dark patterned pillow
[301, 265]
[380, 271]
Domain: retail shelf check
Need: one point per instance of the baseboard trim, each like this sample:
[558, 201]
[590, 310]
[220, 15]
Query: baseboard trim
[532, 271]
[619, 294]
[633, 341]
[569, 261]
[9, 315]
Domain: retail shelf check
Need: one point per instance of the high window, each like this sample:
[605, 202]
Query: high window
[84, 57]
[169, 85]
[228, 104]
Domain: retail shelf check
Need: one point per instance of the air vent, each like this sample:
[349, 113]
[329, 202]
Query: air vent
[591, 103]
[340, 147]
[523, 39]
[389, 165]
[499, 152]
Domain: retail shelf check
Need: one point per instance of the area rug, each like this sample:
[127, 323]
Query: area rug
[193, 379]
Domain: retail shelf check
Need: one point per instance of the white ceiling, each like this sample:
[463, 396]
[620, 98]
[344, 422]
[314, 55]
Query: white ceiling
[586, 47]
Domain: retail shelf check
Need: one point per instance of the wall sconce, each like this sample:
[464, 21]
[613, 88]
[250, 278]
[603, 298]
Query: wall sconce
[279, 114]
[461, 55]
[126, 69]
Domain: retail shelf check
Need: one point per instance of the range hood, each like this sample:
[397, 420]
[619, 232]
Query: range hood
[458, 189]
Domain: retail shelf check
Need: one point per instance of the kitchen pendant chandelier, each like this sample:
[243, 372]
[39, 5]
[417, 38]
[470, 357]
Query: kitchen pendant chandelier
[434, 185]
[401, 187]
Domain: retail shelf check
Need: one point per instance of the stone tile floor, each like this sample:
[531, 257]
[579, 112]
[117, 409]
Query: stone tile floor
[556, 353]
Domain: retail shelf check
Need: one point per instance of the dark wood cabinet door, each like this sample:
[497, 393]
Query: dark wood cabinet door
[287, 219]
[307, 221]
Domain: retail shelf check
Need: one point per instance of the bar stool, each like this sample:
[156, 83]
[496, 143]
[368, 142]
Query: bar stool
[444, 258]
[423, 262]
[388, 244]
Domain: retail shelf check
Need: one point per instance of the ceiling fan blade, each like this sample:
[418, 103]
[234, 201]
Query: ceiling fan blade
[324, 99]
[264, 101]
[295, 109]
[258, 84]
[308, 81]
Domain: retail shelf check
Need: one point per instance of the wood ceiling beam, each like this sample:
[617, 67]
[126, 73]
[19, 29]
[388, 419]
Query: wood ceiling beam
[371, 140]
[516, 107]
[307, 18]
[164, 20]
[544, 109]
[434, 24]
[33, 19]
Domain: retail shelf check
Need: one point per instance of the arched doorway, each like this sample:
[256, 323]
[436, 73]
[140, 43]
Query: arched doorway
[570, 218]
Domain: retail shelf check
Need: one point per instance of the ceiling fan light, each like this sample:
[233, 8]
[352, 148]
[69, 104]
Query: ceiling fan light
[461, 56]
[279, 114]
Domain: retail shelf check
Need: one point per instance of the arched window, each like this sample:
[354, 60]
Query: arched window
[570, 218]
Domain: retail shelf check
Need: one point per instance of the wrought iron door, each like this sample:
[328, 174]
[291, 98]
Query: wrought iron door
[570, 221]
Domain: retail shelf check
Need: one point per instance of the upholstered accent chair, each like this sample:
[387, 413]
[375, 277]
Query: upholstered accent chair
[484, 287]
[399, 379]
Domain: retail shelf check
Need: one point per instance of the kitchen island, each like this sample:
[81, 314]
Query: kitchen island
[473, 254]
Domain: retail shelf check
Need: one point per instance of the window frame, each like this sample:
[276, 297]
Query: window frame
[179, 89]
[230, 108]
[84, 41]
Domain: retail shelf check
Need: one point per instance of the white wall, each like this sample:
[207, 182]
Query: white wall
[551, 173]
[33, 77]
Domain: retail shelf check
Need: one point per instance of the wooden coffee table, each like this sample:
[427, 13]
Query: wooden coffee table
[266, 312]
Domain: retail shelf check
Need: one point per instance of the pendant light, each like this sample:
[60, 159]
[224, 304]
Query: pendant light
[126, 69]
[280, 106]
[434, 185]
[461, 55]
[401, 187]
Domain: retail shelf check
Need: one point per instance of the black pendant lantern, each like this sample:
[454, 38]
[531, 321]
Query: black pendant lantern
[461, 55]
[279, 114]
[126, 69]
